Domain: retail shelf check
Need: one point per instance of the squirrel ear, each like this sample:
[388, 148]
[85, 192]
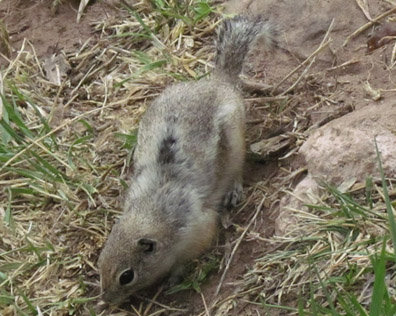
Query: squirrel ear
[147, 245]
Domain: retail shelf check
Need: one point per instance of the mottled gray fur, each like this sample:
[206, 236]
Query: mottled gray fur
[188, 160]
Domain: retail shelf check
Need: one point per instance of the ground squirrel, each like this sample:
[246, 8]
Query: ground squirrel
[187, 164]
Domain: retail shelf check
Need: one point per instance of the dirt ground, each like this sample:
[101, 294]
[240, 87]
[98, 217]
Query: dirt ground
[342, 78]
[49, 30]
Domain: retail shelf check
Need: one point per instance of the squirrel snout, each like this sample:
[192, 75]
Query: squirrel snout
[110, 299]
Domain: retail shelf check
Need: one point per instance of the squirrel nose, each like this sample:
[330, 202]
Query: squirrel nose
[106, 298]
[102, 305]
[109, 299]
[104, 295]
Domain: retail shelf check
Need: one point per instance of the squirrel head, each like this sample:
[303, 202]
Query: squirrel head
[133, 258]
[143, 245]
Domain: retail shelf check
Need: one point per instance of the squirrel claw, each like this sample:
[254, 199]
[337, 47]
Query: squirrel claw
[234, 196]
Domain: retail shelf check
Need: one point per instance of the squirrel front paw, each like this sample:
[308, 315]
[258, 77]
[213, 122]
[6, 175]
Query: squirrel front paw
[234, 196]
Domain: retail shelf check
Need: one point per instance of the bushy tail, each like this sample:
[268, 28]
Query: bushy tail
[234, 39]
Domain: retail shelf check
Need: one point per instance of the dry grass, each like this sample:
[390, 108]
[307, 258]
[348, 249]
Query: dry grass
[334, 241]
[65, 156]
[66, 149]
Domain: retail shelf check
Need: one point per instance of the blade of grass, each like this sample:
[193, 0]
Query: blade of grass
[202, 10]
[151, 66]
[354, 301]
[389, 209]
[379, 288]
[34, 249]
[314, 305]
[326, 293]
[11, 132]
[369, 191]
[14, 116]
[300, 307]
[28, 302]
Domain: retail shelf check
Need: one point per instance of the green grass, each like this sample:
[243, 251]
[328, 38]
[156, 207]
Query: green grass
[33, 155]
[60, 186]
[39, 171]
[338, 258]
[196, 275]
[62, 174]
[340, 295]
[189, 13]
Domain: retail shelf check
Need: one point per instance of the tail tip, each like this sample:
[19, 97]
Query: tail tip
[236, 36]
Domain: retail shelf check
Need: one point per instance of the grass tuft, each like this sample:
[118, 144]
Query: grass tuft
[65, 150]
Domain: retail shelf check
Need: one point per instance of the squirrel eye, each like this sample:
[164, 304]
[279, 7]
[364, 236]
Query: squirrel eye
[126, 277]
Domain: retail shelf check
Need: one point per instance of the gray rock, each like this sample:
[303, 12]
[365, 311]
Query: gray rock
[341, 151]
